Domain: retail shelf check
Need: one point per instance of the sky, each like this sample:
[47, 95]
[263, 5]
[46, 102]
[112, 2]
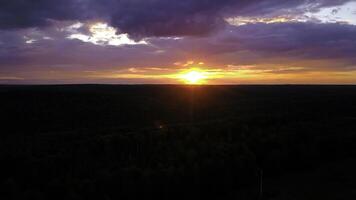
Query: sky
[166, 41]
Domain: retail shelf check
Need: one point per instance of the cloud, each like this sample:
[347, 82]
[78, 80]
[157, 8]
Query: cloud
[101, 34]
[314, 46]
[70, 38]
[298, 40]
[38, 13]
[308, 45]
[198, 17]
[142, 18]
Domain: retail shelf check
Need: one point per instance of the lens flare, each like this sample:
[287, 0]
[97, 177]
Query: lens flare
[193, 77]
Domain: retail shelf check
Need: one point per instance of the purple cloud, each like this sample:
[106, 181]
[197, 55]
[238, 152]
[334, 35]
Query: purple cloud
[37, 40]
[249, 44]
[143, 18]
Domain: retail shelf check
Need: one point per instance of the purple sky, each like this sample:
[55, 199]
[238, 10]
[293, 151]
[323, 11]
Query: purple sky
[153, 41]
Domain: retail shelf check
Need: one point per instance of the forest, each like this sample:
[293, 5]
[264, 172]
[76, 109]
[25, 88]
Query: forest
[177, 142]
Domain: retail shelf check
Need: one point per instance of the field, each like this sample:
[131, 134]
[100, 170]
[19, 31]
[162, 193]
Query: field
[177, 142]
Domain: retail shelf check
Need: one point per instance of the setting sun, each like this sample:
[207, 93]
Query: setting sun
[193, 77]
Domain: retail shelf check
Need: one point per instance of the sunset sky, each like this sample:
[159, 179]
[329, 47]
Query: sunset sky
[166, 41]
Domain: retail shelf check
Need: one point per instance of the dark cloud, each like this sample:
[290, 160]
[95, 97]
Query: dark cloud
[59, 51]
[37, 13]
[27, 49]
[299, 40]
[197, 17]
[148, 17]
[327, 46]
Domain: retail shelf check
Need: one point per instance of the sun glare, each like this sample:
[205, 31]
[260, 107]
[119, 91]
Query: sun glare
[193, 77]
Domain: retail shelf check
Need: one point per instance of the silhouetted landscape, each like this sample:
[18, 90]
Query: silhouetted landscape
[177, 142]
[177, 99]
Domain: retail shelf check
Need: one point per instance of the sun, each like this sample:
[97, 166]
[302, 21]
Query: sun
[193, 77]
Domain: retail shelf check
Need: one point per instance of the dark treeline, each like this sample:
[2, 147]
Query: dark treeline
[166, 142]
